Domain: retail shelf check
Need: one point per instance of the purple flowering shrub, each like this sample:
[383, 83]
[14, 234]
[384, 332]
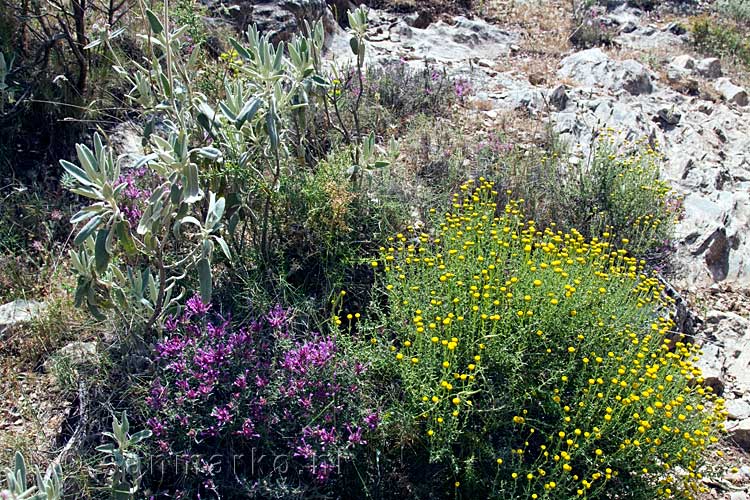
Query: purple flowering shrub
[406, 91]
[134, 194]
[255, 390]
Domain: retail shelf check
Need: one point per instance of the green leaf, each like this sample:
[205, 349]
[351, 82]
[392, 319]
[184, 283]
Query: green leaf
[210, 153]
[77, 173]
[95, 312]
[273, 134]
[227, 112]
[82, 216]
[204, 277]
[248, 111]
[20, 469]
[354, 44]
[140, 436]
[122, 232]
[87, 230]
[320, 81]
[101, 256]
[224, 247]
[243, 53]
[192, 187]
[156, 25]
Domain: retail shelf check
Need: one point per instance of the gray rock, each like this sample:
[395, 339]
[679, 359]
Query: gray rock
[709, 67]
[738, 409]
[74, 355]
[669, 115]
[558, 98]
[593, 67]
[683, 62]
[740, 433]
[281, 19]
[628, 27]
[19, 311]
[731, 92]
[675, 28]
[711, 363]
[738, 495]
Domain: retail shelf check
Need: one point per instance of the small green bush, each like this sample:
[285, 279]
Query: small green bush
[737, 10]
[536, 363]
[720, 39]
[589, 28]
[616, 189]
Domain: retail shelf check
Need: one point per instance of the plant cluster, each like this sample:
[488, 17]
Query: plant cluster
[721, 38]
[589, 29]
[227, 392]
[539, 364]
[615, 189]
[46, 487]
[737, 10]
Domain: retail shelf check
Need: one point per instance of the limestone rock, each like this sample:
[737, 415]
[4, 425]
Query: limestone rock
[593, 67]
[75, 354]
[731, 92]
[683, 62]
[740, 433]
[19, 311]
[738, 409]
[281, 19]
[558, 98]
[710, 363]
[709, 67]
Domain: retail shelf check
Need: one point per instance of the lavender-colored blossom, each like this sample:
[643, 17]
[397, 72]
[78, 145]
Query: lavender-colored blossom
[372, 420]
[277, 317]
[195, 306]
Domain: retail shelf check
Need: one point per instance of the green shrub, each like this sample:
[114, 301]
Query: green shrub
[589, 29]
[329, 223]
[536, 363]
[720, 39]
[616, 189]
[737, 10]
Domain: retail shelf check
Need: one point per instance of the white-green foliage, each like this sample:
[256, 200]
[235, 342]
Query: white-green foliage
[127, 268]
[738, 10]
[127, 474]
[238, 146]
[47, 487]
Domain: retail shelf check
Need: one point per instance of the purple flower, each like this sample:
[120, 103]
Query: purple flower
[323, 472]
[372, 420]
[304, 450]
[310, 354]
[196, 306]
[276, 317]
[156, 426]
[355, 436]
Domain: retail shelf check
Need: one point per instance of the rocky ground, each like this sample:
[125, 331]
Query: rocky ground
[648, 84]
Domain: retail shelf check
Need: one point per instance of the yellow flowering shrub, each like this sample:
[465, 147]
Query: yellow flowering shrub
[538, 364]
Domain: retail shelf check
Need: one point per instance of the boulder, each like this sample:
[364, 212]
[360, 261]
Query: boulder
[558, 98]
[19, 311]
[281, 19]
[711, 362]
[730, 334]
[738, 409]
[730, 92]
[593, 67]
[709, 67]
[683, 63]
[740, 433]
[74, 355]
